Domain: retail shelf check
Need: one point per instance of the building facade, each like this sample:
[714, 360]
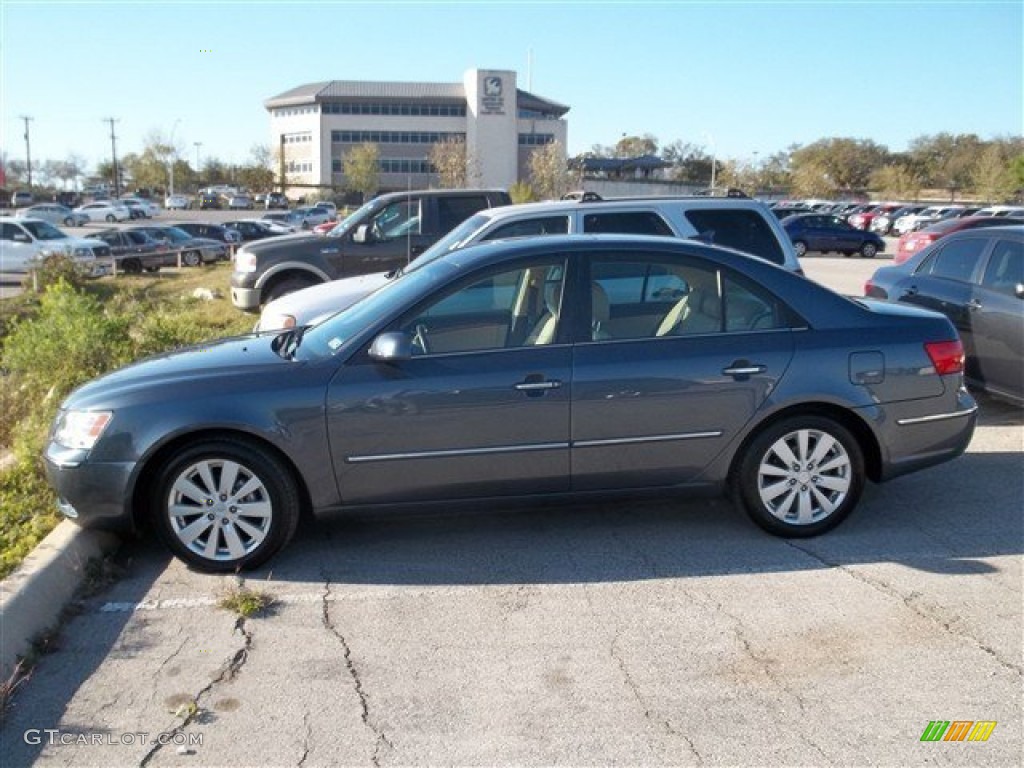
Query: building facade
[501, 125]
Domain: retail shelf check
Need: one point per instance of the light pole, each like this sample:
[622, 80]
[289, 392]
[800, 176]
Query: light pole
[197, 145]
[173, 154]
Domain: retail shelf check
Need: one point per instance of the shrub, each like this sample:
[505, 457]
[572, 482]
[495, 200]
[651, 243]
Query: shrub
[56, 268]
[521, 192]
[27, 513]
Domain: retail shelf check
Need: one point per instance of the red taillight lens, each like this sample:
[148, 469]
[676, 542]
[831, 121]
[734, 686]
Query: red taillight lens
[946, 356]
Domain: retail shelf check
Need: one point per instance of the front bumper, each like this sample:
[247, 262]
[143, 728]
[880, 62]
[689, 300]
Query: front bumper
[93, 494]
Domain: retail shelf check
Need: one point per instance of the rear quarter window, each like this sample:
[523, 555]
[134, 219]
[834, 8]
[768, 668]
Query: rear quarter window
[741, 229]
[626, 223]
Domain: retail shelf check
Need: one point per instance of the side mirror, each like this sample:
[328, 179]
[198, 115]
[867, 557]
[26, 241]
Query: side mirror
[391, 347]
[362, 234]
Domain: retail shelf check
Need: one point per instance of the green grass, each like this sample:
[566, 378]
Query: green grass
[245, 602]
[56, 340]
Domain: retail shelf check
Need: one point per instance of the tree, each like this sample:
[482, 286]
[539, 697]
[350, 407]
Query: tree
[897, 181]
[361, 166]
[691, 164]
[947, 161]
[549, 173]
[258, 173]
[992, 177]
[836, 166]
[636, 146]
[450, 162]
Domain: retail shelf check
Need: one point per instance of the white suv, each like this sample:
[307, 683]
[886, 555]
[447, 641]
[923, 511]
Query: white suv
[742, 224]
[26, 242]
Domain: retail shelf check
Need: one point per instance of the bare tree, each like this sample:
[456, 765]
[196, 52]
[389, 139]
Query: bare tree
[549, 173]
[450, 162]
[361, 166]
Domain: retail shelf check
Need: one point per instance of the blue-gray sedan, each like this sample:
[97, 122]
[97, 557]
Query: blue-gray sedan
[532, 368]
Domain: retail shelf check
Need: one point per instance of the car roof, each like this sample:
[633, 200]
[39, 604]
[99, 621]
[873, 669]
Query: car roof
[559, 206]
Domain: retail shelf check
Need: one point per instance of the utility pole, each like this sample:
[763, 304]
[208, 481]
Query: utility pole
[28, 151]
[197, 145]
[113, 154]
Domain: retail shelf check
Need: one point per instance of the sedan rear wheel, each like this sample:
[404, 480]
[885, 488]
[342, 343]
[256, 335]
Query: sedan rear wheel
[111, 218]
[222, 505]
[800, 247]
[868, 250]
[801, 476]
[191, 258]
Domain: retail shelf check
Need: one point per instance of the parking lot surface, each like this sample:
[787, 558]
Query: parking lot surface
[642, 633]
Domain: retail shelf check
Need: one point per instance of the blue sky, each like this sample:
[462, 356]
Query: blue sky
[738, 77]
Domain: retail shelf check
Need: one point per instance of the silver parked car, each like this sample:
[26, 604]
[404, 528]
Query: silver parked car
[527, 369]
[54, 213]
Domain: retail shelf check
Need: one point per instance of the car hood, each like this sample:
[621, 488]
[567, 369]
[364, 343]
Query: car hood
[285, 242]
[181, 370]
[317, 302]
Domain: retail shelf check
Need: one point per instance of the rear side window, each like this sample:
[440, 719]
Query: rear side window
[626, 223]
[956, 260]
[1005, 270]
[742, 229]
[547, 225]
[452, 211]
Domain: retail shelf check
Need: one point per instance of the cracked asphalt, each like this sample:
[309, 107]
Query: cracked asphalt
[634, 633]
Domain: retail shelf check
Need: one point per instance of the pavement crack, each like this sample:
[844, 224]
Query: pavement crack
[380, 738]
[307, 737]
[228, 672]
[910, 602]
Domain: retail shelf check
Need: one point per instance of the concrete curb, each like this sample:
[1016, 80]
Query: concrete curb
[32, 598]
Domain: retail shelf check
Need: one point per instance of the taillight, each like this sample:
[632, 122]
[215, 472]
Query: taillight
[946, 356]
[873, 291]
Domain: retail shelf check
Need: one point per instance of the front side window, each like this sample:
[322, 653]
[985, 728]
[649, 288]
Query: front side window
[451, 211]
[956, 260]
[507, 309]
[1005, 270]
[43, 231]
[397, 220]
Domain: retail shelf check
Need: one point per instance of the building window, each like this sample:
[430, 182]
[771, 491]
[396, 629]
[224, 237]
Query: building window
[393, 137]
[535, 139]
[405, 165]
[390, 108]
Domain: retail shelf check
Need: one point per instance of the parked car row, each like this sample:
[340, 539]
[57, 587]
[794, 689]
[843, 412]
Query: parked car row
[25, 242]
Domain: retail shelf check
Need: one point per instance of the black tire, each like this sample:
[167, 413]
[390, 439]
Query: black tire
[286, 286]
[191, 258]
[152, 269]
[868, 250]
[273, 506]
[111, 218]
[790, 498]
[131, 266]
[69, 222]
[800, 247]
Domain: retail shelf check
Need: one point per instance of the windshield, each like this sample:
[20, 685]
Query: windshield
[42, 231]
[326, 338]
[173, 233]
[453, 241]
[346, 224]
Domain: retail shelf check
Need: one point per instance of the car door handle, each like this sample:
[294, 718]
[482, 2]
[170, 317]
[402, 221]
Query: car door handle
[744, 368]
[330, 250]
[974, 305]
[911, 291]
[538, 386]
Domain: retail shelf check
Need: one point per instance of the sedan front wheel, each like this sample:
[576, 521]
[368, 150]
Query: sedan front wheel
[223, 505]
[801, 476]
[868, 250]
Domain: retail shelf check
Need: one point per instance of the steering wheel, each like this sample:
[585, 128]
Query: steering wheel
[419, 339]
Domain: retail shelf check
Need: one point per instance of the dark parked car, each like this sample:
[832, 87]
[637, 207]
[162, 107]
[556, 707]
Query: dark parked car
[135, 251]
[825, 233]
[210, 231]
[194, 250]
[529, 368]
[976, 278]
[276, 200]
[912, 242]
[782, 211]
[210, 201]
[250, 229]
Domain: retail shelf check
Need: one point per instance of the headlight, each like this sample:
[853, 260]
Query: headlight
[275, 322]
[245, 262]
[80, 429]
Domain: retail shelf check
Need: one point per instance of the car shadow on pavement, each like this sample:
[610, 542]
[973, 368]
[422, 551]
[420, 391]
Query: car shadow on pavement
[944, 520]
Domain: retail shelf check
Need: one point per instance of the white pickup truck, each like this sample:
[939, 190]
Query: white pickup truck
[26, 242]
